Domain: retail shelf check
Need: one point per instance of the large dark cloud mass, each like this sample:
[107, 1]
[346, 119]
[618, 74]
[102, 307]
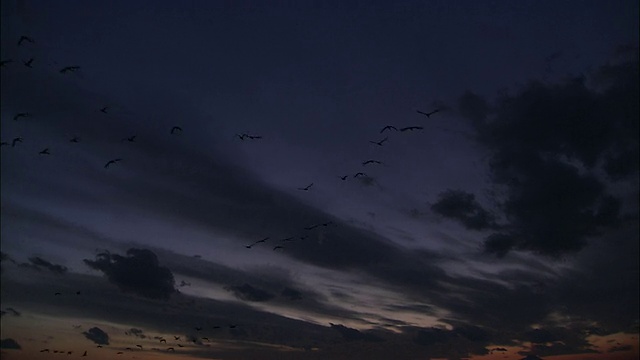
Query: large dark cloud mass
[97, 335]
[139, 272]
[463, 206]
[556, 150]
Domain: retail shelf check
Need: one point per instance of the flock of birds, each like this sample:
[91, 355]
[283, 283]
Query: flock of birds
[176, 130]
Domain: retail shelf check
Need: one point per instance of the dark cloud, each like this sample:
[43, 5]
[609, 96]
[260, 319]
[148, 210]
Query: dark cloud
[96, 335]
[249, 293]
[291, 294]
[139, 272]
[136, 332]
[462, 206]
[9, 344]
[548, 144]
[54, 268]
[350, 334]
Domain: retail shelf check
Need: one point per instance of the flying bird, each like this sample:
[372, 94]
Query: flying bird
[44, 350]
[278, 247]
[45, 152]
[241, 137]
[371, 162]
[171, 349]
[24, 38]
[205, 338]
[119, 353]
[411, 128]
[288, 239]
[428, 115]
[163, 341]
[57, 294]
[106, 166]
[104, 109]
[28, 63]
[343, 178]
[306, 188]
[67, 69]
[176, 128]
[130, 139]
[388, 127]
[19, 115]
[359, 174]
[232, 326]
[379, 143]
[140, 346]
[75, 139]
[16, 140]
[85, 353]
[176, 337]
[5, 62]
[254, 137]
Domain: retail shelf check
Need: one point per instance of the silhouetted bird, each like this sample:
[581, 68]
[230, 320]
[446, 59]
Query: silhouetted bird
[343, 177]
[288, 239]
[130, 139]
[119, 353]
[44, 350]
[388, 127]
[106, 166]
[140, 346]
[57, 294]
[371, 162]
[306, 188]
[99, 346]
[16, 140]
[44, 152]
[205, 338]
[232, 326]
[261, 241]
[163, 341]
[75, 139]
[77, 292]
[411, 128]
[104, 109]
[428, 114]
[241, 137]
[171, 349]
[176, 337]
[67, 69]
[19, 115]
[28, 63]
[85, 353]
[254, 137]
[176, 128]
[379, 143]
[359, 174]
[278, 247]
[24, 38]
[5, 62]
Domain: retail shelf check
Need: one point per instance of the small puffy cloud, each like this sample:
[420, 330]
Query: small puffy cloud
[139, 272]
[9, 344]
[249, 293]
[96, 335]
[462, 206]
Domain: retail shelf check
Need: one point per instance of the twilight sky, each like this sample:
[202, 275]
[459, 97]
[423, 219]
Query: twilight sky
[149, 147]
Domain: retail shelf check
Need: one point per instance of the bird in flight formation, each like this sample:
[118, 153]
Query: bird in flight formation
[428, 115]
[67, 69]
[306, 188]
[16, 140]
[257, 242]
[388, 127]
[411, 128]
[176, 128]
[21, 115]
[247, 136]
[28, 63]
[379, 143]
[106, 166]
[371, 162]
[45, 152]
[104, 109]
[24, 38]
[278, 247]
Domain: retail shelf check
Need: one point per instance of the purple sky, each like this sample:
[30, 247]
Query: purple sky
[507, 220]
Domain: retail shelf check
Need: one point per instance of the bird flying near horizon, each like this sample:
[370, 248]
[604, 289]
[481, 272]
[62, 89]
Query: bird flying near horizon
[106, 166]
[428, 115]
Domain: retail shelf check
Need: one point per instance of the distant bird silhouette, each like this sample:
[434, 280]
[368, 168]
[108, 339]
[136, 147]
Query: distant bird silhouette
[24, 38]
[104, 109]
[140, 346]
[254, 137]
[231, 326]
[75, 139]
[99, 346]
[16, 140]
[163, 341]
[278, 247]
[176, 337]
[411, 128]
[428, 115]
[130, 139]
[205, 338]
[318, 225]
[77, 292]
[67, 69]
[379, 143]
[44, 350]
[85, 353]
[343, 178]
[306, 188]
[198, 328]
[119, 353]
[19, 115]
[371, 162]
[288, 239]
[176, 128]
[45, 152]
[241, 137]
[57, 294]
[171, 349]
[106, 166]
[261, 241]
[388, 127]
[28, 63]
[359, 174]
[5, 62]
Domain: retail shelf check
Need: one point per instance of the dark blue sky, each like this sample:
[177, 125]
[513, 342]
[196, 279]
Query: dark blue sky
[507, 220]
